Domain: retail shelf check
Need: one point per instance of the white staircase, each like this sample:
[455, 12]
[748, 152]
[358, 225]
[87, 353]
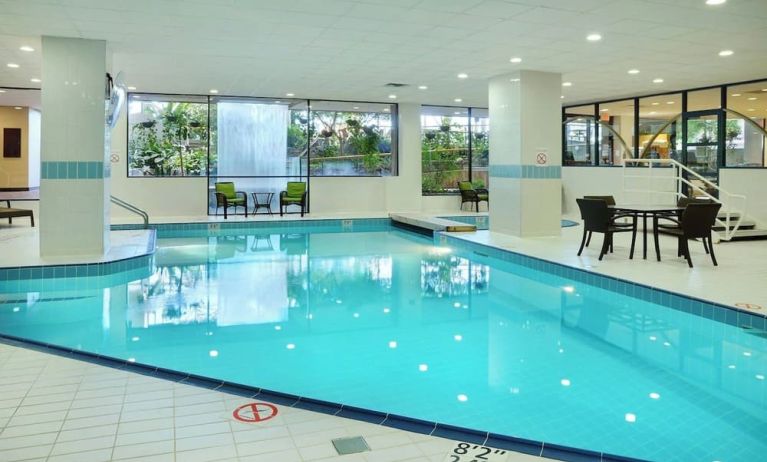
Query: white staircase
[662, 182]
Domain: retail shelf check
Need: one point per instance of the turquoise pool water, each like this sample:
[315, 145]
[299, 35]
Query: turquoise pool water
[388, 321]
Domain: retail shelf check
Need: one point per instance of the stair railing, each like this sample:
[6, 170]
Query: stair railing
[733, 205]
[131, 208]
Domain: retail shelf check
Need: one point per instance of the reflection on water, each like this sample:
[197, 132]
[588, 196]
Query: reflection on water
[447, 275]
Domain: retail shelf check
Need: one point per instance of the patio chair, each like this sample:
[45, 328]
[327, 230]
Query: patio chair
[473, 195]
[10, 214]
[610, 201]
[696, 223]
[227, 196]
[598, 218]
[295, 194]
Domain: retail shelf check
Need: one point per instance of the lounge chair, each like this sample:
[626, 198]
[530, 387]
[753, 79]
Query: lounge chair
[10, 214]
[295, 194]
[472, 195]
[226, 197]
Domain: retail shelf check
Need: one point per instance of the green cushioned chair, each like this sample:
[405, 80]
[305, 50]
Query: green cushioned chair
[294, 195]
[227, 196]
[471, 195]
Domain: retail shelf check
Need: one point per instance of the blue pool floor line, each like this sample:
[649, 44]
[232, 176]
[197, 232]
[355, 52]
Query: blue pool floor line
[509, 443]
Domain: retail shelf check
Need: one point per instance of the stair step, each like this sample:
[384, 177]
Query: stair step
[744, 224]
[745, 234]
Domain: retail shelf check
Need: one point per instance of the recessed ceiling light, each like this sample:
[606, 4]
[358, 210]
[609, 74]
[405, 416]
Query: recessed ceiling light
[290, 95]
[392, 96]
[18, 108]
[35, 80]
[751, 109]
[653, 112]
[2, 91]
[514, 80]
[13, 65]
[764, 89]
[562, 97]
[567, 84]
[213, 91]
[655, 103]
[356, 107]
[715, 2]
[457, 113]
[463, 76]
[735, 94]
[458, 100]
[753, 98]
[633, 71]
[515, 60]
[726, 53]
[657, 81]
[131, 88]
[593, 37]
[278, 102]
[669, 102]
[604, 110]
[26, 48]
[386, 109]
[423, 87]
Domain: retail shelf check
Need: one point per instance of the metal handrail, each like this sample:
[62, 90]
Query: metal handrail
[729, 202]
[131, 208]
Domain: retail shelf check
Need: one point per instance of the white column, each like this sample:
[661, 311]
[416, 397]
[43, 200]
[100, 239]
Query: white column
[74, 185]
[525, 154]
[403, 192]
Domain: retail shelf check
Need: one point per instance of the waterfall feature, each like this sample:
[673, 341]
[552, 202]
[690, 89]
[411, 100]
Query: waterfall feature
[253, 140]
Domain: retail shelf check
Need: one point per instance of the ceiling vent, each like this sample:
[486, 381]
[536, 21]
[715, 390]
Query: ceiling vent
[395, 85]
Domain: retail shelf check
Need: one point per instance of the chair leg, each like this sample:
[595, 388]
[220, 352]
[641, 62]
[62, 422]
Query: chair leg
[657, 245]
[588, 241]
[246, 206]
[705, 245]
[32, 220]
[280, 208]
[583, 240]
[633, 242]
[605, 245]
[711, 248]
[686, 249]
[611, 243]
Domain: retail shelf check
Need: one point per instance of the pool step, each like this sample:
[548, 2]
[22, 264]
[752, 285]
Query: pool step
[432, 223]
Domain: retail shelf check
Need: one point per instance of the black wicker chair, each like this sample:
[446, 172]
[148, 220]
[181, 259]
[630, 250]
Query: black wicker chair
[696, 223]
[598, 218]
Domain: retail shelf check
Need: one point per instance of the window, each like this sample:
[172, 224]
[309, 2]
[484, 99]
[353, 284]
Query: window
[702, 100]
[454, 147]
[258, 144]
[660, 127]
[167, 136]
[352, 139]
[745, 134]
[616, 132]
[580, 134]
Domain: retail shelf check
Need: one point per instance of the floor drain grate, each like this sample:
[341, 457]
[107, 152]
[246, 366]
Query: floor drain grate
[350, 445]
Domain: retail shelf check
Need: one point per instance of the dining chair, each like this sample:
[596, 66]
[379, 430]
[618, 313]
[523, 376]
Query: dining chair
[610, 201]
[598, 218]
[696, 222]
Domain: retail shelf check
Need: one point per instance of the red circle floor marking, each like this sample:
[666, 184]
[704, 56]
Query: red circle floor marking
[255, 412]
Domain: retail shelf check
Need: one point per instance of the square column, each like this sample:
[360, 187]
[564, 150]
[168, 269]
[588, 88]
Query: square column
[525, 154]
[74, 183]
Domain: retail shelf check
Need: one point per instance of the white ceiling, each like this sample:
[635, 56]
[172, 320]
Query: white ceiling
[348, 49]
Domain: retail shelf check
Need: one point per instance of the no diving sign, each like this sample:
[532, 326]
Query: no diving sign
[255, 412]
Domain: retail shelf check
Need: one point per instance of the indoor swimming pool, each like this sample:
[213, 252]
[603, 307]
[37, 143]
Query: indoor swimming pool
[386, 320]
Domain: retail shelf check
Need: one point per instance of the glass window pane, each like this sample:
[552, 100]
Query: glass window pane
[745, 135]
[616, 132]
[353, 139]
[480, 147]
[579, 136]
[701, 100]
[167, 135]
[660, 127]
[444, 148]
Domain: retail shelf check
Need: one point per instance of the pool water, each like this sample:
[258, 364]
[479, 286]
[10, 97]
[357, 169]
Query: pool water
[388, 321]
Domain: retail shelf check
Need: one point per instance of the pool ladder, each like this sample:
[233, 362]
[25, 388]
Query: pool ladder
[131, 208]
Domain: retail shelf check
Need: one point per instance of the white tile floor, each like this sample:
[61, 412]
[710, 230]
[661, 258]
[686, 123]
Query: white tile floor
[58, 409]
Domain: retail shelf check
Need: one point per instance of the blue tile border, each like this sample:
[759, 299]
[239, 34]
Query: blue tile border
[563, 453]
[707, 309]
[74, 170]
[538, 172]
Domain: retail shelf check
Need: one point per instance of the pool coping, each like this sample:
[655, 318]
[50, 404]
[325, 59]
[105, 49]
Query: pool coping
[696, 306]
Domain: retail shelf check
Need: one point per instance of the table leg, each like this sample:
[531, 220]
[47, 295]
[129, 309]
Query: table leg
[644, 235]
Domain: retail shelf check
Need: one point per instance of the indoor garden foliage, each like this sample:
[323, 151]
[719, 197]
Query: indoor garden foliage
[350, 143]
[168, 139]
[445, 157]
